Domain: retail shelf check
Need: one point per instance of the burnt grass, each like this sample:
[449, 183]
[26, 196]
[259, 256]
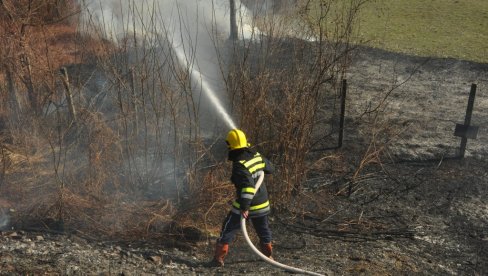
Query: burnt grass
[420, 210]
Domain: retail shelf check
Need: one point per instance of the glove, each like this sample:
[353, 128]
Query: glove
[245, 214]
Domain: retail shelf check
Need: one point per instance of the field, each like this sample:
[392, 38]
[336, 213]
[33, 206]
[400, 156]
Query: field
[89, 195]
[401, 218]
[438, 28]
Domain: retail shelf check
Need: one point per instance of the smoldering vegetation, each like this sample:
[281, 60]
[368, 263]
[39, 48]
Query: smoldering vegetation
[124, 141]
[125, 144]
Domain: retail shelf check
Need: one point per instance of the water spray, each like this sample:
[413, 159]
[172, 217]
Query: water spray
[205, 86]
[193, 63]
[156, 17]
[261, 255]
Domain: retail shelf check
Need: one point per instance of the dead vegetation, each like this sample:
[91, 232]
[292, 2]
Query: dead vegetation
[138, 163]
[135, 157]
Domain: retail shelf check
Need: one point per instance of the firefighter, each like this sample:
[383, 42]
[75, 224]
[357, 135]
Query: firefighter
[249, 203]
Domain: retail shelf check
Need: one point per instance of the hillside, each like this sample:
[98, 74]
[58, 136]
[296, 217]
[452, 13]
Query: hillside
[129, 184]
[403, 217]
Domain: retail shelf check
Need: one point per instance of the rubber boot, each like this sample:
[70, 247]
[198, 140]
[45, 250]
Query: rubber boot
[267, 249]
[221, 250]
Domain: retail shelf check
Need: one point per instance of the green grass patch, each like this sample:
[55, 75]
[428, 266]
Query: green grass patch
[436, 28]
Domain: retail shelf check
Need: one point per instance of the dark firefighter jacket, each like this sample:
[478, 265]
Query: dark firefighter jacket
[245, 165]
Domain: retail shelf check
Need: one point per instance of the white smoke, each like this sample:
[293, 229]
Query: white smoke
[196, 31]
[4, 219]
[264, 6]
[117, 17]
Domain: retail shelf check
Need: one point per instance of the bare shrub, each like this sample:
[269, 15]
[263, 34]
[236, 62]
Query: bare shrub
[379, 128]
[139, 153]
[280, 91]
[37, 12]
[286, 97]
[59, 173]
[210, 199]
[24, 30]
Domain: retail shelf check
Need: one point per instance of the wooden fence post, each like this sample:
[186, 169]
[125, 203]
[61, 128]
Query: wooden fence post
[467, 130]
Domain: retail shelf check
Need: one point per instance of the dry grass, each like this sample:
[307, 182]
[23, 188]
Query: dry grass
[133, 165]
[211, 198]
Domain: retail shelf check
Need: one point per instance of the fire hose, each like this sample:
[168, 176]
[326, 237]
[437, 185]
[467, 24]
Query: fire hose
[261, 255]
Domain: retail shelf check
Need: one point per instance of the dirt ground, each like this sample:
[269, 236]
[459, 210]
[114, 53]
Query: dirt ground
[419, 211]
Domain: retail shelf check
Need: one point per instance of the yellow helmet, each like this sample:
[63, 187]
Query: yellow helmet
[236, 139]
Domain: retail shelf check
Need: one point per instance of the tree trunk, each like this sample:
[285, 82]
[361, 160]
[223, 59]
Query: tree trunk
[233, 20]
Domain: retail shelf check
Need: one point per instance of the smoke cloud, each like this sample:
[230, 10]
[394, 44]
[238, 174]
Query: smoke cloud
[4, 219]
[117, 17]
[196, 30]
[159, 40]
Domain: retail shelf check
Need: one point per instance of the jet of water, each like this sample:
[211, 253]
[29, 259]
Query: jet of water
[189, 24]
[205, 86]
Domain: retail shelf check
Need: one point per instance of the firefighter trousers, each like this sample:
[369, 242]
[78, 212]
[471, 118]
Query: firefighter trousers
[232, 224]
